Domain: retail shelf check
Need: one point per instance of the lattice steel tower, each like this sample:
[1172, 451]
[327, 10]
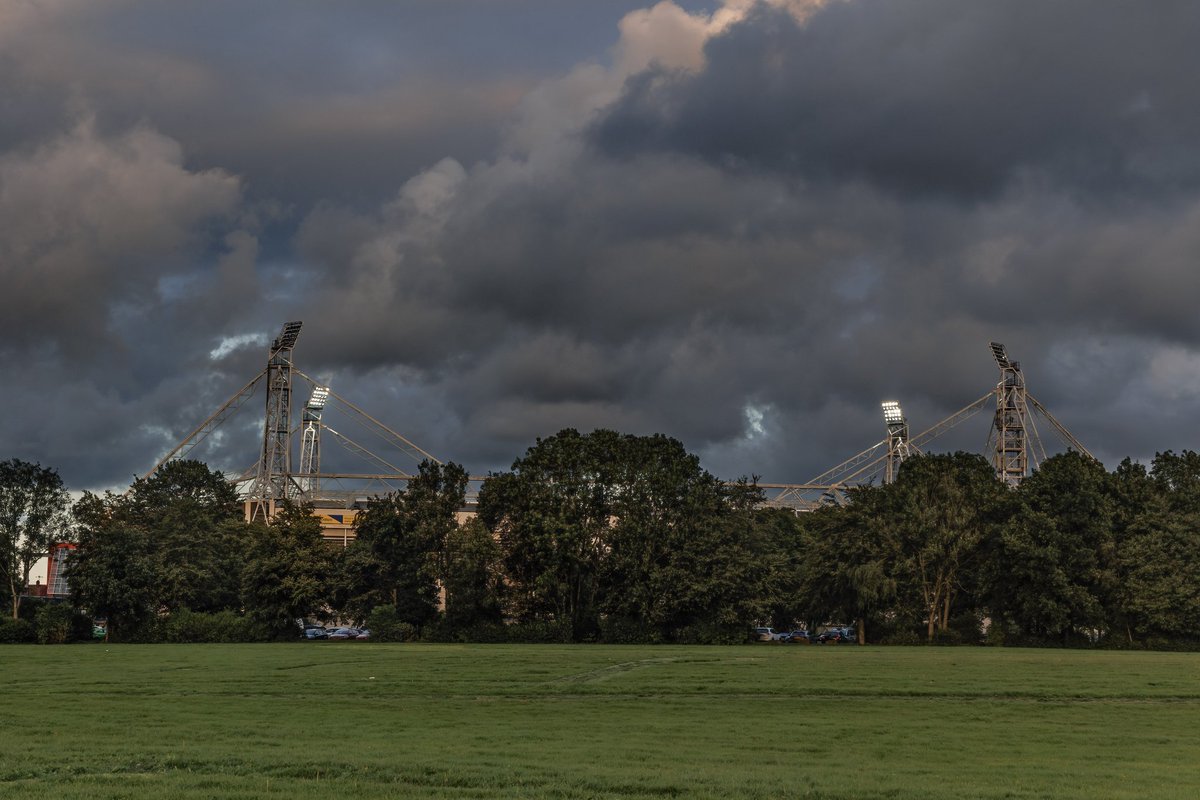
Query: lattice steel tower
[310, 441]
[1010, 456]
[897, 441]
[273, 481]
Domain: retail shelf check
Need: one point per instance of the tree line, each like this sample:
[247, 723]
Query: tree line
[619, 538]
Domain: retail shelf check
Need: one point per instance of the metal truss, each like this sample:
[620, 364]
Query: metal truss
[274, 482]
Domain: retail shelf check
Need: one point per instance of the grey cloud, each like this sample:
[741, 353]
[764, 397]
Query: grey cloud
[750, 257]
[86, 222]
[935, 95]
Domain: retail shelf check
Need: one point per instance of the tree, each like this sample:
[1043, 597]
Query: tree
[680, 548]
[1159, 586]
[1049, 574]
[1155, 578]
[851, 560]
[33, 515]
[196, 530]
[398, 557]
[936, 515]
[474, 578]
[551, 514]
[288, 570]
[626, 528]
[111, 572]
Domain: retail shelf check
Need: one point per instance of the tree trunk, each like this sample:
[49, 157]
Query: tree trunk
[862, 630]
[946, 611]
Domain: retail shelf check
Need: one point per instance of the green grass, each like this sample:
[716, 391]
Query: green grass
[350, 719]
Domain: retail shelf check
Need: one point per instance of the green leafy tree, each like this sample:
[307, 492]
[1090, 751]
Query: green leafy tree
[852, 554]
[474, 578]
[111, 572]
[1177, 476]
[33, 515]
[1050, 573]
[628, 528]
[399, 556]
[197, 532]
[1159, 587]
[939, 511]
[1155, 590]
[552, 514]
[288, 571]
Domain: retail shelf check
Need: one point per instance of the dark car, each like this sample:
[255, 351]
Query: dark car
[363, 634]
[344, 633]
[315, 633]
[799, 637]
[831, 637]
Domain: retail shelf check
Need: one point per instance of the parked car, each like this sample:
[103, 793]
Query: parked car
[770, 635]
[315, 633]
[363, 634]
[344, 633]
[799, 637]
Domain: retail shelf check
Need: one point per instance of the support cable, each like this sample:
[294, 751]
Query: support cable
[1064, 434]
[394, 438]
[209, 425]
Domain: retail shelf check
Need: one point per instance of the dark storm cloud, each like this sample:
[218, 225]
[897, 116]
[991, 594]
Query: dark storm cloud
[826, 214]
[936, 95]
[493, 229]
[305, 101]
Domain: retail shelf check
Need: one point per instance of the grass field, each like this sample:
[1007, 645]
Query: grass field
[351, 719]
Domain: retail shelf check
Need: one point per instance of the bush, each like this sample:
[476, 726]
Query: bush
[15, 631]
[947, 637]
[191, 627]
[540, 632]
[385, 625]
[711, 633]
[626, 630]
[474, 633]
[903, 637]
[54, 623]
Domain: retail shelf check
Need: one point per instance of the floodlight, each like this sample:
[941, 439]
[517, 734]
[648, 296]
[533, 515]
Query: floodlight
[287, 336]
[892, 415]
[319, 396]
[1000, 354]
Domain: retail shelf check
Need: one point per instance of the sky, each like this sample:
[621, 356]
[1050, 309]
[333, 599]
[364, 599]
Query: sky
[742, 224]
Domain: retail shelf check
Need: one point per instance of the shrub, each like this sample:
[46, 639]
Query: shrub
[385, 625]
[540, 632]
[480, 632]
[903, 637]
[186, 627]
[947, 637]
[626, 630]
[15, 631]
[711, 633]
[54, 623]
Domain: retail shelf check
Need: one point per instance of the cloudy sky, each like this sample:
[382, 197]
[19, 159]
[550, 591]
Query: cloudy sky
[743, 224]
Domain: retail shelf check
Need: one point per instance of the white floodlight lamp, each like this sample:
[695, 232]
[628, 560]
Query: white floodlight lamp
[892, 415]
[319, 396]
[1000, 353]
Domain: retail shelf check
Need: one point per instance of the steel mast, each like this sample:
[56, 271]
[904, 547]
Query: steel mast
[1010, 456]
[310, 441]
[273, 481]
[898, 444]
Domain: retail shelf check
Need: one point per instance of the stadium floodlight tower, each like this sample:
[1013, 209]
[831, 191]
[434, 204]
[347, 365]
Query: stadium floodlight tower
[1010, 456]
[272, 483]
[310, 441]
[897, 441]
